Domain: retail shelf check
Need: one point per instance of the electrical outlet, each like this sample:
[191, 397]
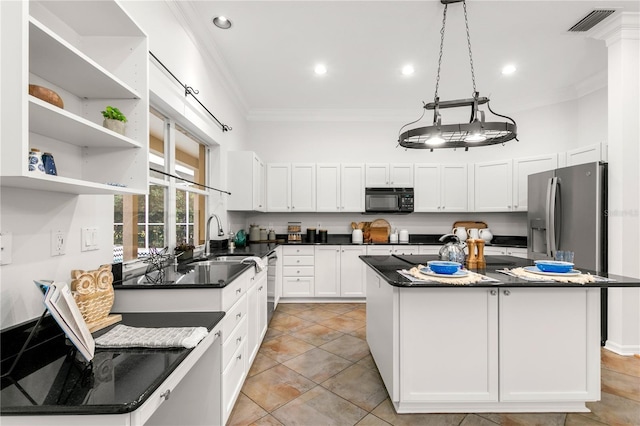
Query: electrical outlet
[58, 243]
[319, 226]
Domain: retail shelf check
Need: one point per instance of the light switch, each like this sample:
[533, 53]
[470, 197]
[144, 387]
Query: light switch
[6, 246]
[89, 239]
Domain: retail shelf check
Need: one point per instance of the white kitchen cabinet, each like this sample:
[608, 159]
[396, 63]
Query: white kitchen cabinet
[586, 154]
[352, 271]
[398, 175]
[505, 251]
[387, 249]
[303, 187]
[278, 187]
[327, 271]
[493, 183]
[429, 249]
[534, 318]
[352, 185]
[246, 181]
[339, 187]
[90, 63]
[522, 168]
[464, 368]
[291, 187]
[298, 271]
[441, 188]
[257, 313]
[328, 187]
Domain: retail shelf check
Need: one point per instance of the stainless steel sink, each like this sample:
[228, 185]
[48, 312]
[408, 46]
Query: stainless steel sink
[227, 258]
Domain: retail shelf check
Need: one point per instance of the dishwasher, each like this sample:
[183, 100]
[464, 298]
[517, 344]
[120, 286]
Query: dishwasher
[272, 262]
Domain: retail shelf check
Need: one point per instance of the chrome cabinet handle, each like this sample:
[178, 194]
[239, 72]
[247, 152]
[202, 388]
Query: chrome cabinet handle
[239, 357]
[239, 315]
[238, 291]
[507, 292]
[239, 339]
[166, 394]
[260, 288]
[493, 292]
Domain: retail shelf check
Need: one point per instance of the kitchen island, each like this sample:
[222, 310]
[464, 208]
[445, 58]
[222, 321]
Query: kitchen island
[509, 345]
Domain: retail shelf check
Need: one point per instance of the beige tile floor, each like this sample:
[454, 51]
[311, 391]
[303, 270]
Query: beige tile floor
[314, 368]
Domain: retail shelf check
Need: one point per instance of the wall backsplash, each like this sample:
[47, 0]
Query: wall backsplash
[415, 223]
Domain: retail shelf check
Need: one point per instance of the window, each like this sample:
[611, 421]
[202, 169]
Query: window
[144, 223]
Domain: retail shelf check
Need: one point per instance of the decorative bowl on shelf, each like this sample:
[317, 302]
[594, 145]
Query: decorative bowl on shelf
[554, 266]
[46, 95]
[443, 266]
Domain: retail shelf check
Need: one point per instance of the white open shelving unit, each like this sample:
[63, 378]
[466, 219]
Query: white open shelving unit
[93, 55]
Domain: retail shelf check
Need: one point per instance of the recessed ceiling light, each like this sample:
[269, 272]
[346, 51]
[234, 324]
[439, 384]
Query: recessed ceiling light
[222, 22]
[320, 69]
[508, 69]
[407, 70]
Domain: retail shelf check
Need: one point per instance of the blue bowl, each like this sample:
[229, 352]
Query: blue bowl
[444, 267]
[554, 266]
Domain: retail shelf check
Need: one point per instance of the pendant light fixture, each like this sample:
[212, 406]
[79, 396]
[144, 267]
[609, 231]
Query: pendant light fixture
[477, 132]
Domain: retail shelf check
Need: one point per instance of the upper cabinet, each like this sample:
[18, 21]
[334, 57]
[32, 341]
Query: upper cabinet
[440, 188]
[291, 187]
[92, 54]
[587, 154]
[246, 181]
[340, 187]
[398, 175]
[522, 168]
[493, 186]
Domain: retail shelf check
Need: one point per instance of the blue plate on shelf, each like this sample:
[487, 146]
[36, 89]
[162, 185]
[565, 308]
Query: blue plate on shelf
[535, 270]
[458, 274]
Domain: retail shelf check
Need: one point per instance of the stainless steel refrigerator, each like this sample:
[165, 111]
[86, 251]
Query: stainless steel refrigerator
[567, 211]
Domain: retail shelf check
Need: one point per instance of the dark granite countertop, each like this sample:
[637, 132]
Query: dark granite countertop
[387, 267]
[187, 275]
[417, 239]
[49, 381]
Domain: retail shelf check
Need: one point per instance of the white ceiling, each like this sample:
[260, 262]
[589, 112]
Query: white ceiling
[269, 54]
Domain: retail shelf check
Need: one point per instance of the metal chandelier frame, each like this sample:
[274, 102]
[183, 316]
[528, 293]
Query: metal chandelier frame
[477, 132]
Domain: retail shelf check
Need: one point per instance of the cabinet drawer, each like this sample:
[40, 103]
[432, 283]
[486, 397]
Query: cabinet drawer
[297, 261]
[232, 379]
[233, 342]
[298, 250]
[234, 291]
[233, 317]
[297, 271]
[300, 287]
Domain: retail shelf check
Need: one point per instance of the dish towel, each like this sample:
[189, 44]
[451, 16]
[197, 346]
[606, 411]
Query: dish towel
[260, 265]
[471, 278]
[123, 336]
[577, 279]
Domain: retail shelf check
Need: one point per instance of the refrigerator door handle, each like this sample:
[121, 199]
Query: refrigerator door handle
[552, 191]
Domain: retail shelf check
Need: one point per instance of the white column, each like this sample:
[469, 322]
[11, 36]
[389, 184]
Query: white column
[622, 36]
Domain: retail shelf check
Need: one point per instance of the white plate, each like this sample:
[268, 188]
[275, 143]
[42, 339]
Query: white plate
[459, 274]
[535, 270]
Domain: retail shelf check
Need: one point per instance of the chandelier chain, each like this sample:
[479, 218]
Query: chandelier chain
[444, 21]
[466, 23]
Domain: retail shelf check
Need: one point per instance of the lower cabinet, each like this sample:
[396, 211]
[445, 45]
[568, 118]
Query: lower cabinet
[339, 272]
[485, 349]
[298, 271]
[505, 251]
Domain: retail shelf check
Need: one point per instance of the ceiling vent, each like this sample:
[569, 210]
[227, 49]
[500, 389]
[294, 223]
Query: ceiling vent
[591, 20]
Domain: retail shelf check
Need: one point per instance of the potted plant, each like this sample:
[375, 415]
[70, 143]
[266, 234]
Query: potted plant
[184, 251]
[114, 119]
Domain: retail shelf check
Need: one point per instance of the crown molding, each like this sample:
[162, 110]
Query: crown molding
[621, 26]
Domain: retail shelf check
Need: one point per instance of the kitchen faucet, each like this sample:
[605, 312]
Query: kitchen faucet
[207, 248]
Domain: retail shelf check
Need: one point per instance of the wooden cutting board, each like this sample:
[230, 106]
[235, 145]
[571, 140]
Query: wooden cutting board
[470, 224]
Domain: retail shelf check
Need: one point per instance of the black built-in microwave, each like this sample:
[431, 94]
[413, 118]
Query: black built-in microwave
[388, 200]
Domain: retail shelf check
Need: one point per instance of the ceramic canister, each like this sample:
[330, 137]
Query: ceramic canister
[35, 161]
